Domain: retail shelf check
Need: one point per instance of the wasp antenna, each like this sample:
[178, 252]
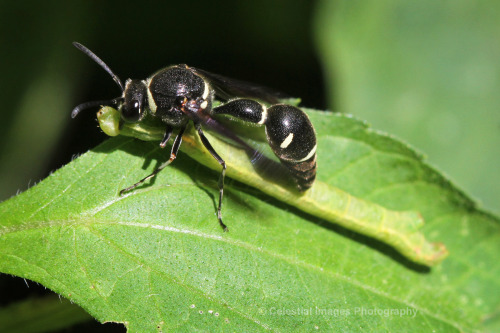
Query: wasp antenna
[88, 105]
[101, 63]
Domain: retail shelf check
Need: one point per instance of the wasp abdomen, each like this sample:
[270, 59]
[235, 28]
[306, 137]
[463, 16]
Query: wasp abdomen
[289, 132]
[293, 140]
[304, 173]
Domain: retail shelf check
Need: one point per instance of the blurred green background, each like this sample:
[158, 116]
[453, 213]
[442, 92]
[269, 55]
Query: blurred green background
[427, 72]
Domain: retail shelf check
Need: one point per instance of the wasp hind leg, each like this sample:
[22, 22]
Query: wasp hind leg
[209, 147]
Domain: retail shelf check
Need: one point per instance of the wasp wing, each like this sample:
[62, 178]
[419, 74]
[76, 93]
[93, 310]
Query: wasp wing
[265, 166]
[228, 88]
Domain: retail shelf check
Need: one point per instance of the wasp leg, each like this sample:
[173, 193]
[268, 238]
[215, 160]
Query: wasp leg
[209, 147]
[166, 136]
[173, 155]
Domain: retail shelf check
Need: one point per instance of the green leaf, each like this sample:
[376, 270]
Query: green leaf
[399, 229]
[157, 258]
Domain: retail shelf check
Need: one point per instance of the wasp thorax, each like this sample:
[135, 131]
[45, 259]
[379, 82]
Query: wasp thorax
[134, 98]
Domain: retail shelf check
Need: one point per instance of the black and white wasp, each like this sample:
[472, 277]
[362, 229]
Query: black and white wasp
[179, 94]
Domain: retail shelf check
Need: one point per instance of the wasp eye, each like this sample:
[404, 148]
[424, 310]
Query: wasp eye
[132, 111]
[133, 105]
